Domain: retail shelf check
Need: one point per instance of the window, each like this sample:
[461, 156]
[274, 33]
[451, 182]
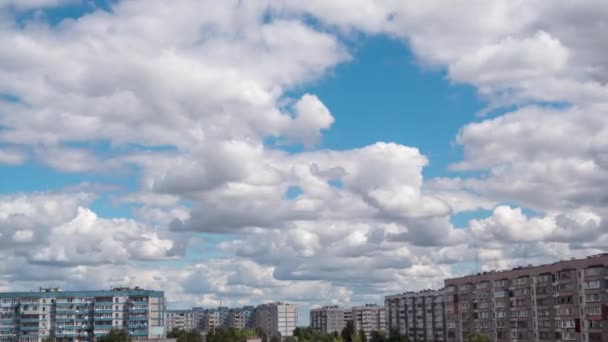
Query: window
[593, 297]
[563, 300]
[594, 310]
[543, 278]
[593, 284]
[500, 283]
[520, 281]
[594, 271]
[520, 292]
[564, 311]
[566, 324]
[481, 286]
[499, 294]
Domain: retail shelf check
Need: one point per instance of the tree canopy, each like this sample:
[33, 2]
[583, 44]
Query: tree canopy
[478, 338]
[115, 335]
[185, 335]
[230, 335]
[311, 335]
[348, 333]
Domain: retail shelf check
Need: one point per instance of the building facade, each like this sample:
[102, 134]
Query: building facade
[211, 320]
[369, 318]
[563, 301]
[240, 318]
[418, 315]
[329, 319]
[276, 318]
[199, 314]
[182, 319]
[80, 315]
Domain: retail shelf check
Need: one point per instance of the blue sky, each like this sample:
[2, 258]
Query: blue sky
[381, 95]
[296, 150]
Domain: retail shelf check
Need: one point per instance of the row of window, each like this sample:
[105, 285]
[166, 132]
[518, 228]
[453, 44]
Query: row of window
[593, 271]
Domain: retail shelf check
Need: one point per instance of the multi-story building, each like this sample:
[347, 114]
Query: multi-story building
[223, 312]
[348, 316]
[418, 315]
[240, 318]
[276, 318]
[80, 315]
[199, 314]
[182, 319]
[329, 319]
[369, 318]
[562, 301]
[211, 320]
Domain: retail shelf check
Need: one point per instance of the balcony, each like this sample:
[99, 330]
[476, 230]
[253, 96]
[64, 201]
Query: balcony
[103, 311]
[139, 333]
[29, 336]
[98, 326]
[30, 320]
[29, 328]
[139, 310]
[109, 303]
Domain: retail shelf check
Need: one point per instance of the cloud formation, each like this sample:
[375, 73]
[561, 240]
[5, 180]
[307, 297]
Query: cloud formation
[198, 106]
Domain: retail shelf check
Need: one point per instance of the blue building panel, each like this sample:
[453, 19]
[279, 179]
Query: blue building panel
[81, 307]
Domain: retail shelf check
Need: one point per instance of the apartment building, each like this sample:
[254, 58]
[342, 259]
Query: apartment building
[211, 320]
[199, 314]
[240, 318]
[562, 301]
[182, 319]
[329, 319]
[418, 315]
[369, 318]
[276, 318]
[80, 315]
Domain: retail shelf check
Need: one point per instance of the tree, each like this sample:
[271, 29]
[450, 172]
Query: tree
[260, 333]
[348, 332]
[190, 336]
[115, 335]
[362, 336]
[377, 337]
[395, 336]
[229, 335]
[175, 333]
[298, 332]
[477, 337]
